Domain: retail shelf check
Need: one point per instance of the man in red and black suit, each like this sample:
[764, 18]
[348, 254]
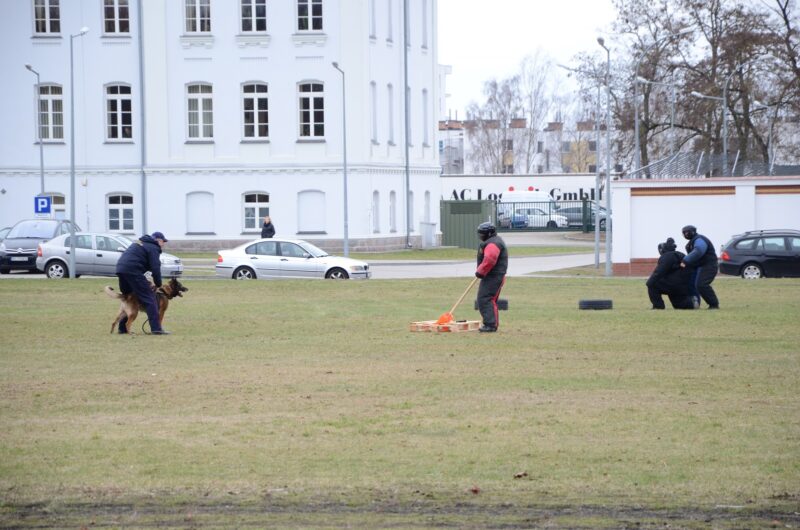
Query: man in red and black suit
[492, 267]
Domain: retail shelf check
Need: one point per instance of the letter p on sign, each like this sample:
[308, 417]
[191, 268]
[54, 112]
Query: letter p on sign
[41, 205]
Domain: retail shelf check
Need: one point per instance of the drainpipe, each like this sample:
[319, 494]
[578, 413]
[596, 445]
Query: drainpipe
[142, 135]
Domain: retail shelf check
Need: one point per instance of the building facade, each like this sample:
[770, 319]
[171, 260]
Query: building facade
[199, 117]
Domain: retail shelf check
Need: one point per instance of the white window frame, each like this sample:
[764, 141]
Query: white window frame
[254, 17]
[51, 121]
[119, 25]
[203, 100]
[373, 26]
[253, 212]
[390, 21]
[376, 212]
[390, 100]
[373, 101]
[310, 19]
[255, 97]
[425, 132]
[52, 24]
[197, 16]
[424, 24]
[313, 96]
[123, 207]
[118, 114]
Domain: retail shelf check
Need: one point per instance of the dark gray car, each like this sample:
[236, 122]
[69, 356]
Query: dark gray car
[18, 249]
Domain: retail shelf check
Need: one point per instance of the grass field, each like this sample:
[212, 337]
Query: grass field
[309, 405]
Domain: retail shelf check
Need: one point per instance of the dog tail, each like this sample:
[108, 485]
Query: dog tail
[112, 293]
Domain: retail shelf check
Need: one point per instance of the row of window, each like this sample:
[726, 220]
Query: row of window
[118, 104]
[197, 16]
[255, 206]
[253, 17]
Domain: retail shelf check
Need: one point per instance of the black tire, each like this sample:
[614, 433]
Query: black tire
[56, 270]
[502, 304]
[551, 224]
[752, 271]
[595, 304]
[5, 271]
[244, 273]
[337, 273]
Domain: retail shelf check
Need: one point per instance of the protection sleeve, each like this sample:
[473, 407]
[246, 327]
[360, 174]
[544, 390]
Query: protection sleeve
[699, 250]
[490, 255]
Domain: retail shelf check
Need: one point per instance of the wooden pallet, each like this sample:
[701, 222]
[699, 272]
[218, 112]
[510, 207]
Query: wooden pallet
[450, 327]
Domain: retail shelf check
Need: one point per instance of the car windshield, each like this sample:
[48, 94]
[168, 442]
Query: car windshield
[314, 251]
[124, 240]
[39, 229]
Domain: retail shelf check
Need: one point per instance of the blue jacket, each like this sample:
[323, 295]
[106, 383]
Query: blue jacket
[142, 256]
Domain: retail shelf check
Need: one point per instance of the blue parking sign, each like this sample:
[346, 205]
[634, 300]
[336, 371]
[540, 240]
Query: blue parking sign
[41, 205]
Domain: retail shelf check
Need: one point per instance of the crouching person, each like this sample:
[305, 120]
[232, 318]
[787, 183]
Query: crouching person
[670, 279]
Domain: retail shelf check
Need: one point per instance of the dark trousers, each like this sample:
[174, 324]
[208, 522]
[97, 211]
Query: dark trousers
[138, 285]
[701, 284]
[488, 292]
[678, 301]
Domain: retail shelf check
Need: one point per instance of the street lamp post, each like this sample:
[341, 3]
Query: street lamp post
[596, 167]
[671, 106]
[724, 101]
[346, 241]
[638, 154]
[602, 44]
[39, 127]
[81, 33]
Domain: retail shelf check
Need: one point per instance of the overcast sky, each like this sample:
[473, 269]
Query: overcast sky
[484, 39]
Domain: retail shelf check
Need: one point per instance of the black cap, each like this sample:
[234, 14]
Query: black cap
[159, 235]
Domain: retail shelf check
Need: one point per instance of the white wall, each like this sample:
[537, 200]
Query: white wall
[645, 213]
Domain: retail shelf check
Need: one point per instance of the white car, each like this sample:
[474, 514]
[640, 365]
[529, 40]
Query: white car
[286, 258]
[538, 218]
[95, 255]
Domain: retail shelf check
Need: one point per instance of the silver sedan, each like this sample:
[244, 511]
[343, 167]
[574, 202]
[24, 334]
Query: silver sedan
[286, 258]
[95, 255]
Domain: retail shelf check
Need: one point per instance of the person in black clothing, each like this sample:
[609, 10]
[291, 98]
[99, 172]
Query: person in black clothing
[492, 267]
[701, 260]
[668, 278]
[142, 256]
[267, 230]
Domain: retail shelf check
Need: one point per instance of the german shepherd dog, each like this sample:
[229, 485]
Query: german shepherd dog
[129, 304]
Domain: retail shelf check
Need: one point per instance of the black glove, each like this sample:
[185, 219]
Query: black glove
[479, 275]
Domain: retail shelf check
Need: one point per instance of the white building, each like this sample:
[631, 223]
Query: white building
[198, 117]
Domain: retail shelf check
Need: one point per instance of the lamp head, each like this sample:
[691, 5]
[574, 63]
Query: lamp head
[601, 41]
[642, 79]
[84, 31]
[697, 94]
[335, 65]
[29, 67]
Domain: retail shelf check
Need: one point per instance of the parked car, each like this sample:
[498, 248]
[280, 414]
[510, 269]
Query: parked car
[18, 249]
[574, 215]
[95, 255]
[286, 258]
[509, 220]
[538, 218]
[762, 253]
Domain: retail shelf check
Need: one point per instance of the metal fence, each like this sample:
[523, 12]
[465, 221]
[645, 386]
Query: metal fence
[549, 216]
[704, 165]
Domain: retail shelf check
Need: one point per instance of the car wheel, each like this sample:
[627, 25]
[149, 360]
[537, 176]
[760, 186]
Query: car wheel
[5, 271]
[551, 224]
[602, 224]
[56, 270]
[337, 274]
[752, 271]
[244, 273]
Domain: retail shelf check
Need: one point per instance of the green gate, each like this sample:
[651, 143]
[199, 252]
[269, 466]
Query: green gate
[460, 219]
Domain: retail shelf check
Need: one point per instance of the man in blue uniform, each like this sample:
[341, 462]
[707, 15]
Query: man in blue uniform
[701, 260]
[492, 267]
[142, 256]
[669, 278]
